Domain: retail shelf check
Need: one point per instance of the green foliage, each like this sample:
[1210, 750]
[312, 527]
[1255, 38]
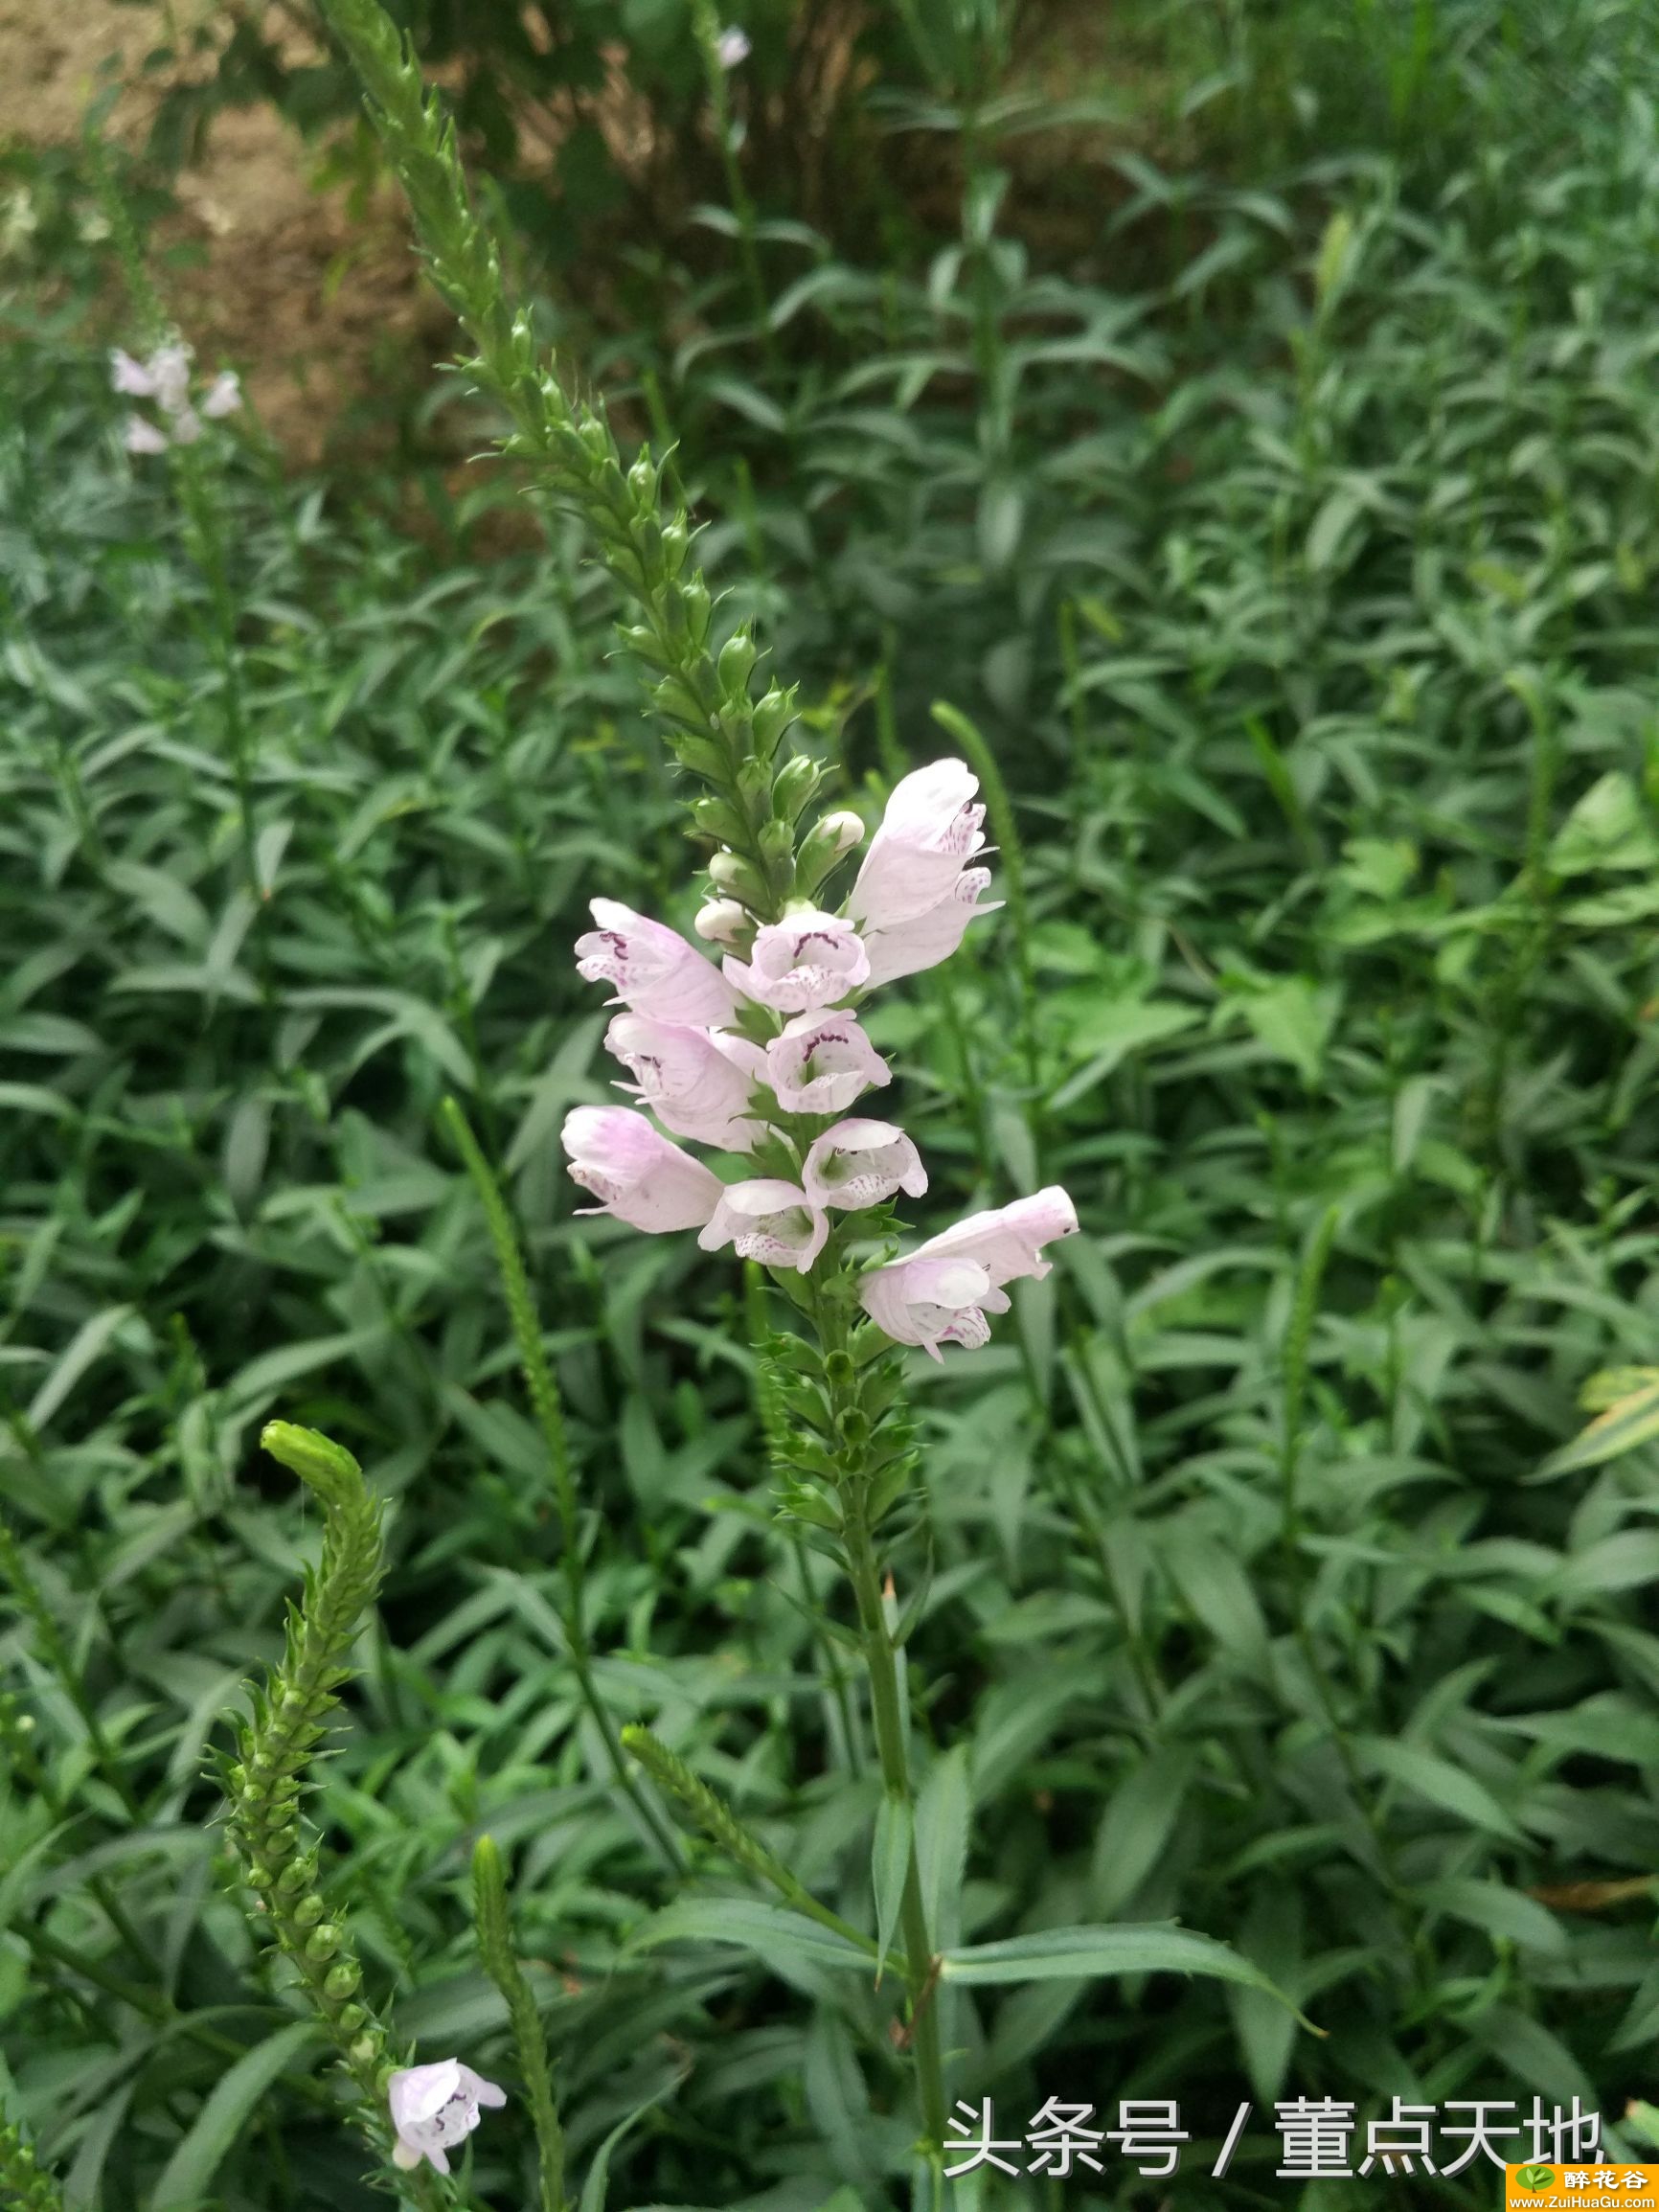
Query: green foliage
[1288, 538]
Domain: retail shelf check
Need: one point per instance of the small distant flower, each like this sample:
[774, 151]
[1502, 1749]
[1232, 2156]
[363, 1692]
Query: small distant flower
[140, 435]
[170, 368]
[860, 1163]
[906, 947]
[692, 1079]
[732, 47]
[223, 396]
[806, 959]
[125, 375]
[635, 1172]
[774, 1222]
[821, 1063]
[928, 834]
[941, 1294]
[434, 2108]
[165, 379]
[653, 968]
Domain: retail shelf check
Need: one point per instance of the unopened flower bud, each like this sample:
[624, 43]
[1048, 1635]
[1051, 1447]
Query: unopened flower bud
[696, 602]
[856, 1426]
[676, 544]
[716, 819]
[839, 1371]
[293, 1877]
[773, 714]
[351, 2016]
[324, 1942]
[793, 785]
[365, 2051]
[736, 661]
[341, 1980]
[309, 1910]
[722, 922]
[643, 481]
[777, 841]
[730, 872]
[828, 841]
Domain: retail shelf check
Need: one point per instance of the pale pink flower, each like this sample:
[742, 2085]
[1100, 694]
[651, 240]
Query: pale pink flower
[941, 1294]
[434, 2108]
[933, 1302]
[140, 435]
[908, 948]
[772, 1221]
[169, 371]
[820, 1063]
[653, 969]
[1008, 1239]
[930, 831]
[125, 375]
[635, 1172]
[730, 47]
[186, 426]
[859, 1163]
[694, 1080]
[223, 396]
[806, 959]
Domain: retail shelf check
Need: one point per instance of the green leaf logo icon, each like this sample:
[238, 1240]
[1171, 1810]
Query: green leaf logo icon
[1535, 2176]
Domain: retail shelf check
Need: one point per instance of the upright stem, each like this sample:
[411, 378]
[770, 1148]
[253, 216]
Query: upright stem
[893, 1750]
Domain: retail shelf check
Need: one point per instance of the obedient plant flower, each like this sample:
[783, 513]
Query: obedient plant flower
[819, 1065]
[772, 1221]
[860, 1163]
[653, 969]
[694, 1080]
[941, 1294]
[636, 1173]
[434, 2108]
[929, 833]
[809, 959]
[910, 907]
[165, 378]
[908, 948]
[730, 47]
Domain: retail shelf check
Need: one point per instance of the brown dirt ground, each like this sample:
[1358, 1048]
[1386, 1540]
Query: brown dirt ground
[313, 301]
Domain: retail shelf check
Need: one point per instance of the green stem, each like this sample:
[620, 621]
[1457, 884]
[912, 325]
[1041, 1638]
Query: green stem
[544, 1399]
[892, 1747]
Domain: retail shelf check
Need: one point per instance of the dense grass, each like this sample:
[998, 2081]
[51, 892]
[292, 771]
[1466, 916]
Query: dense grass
[1304, 588]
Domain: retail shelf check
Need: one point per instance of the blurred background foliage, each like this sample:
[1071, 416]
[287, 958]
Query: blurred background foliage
[1247, 415]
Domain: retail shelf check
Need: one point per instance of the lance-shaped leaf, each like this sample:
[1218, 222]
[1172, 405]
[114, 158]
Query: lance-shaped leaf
[1084, 1953]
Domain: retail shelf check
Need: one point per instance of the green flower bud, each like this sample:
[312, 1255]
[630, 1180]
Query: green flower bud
[309, 1910]
[773, 714]
[828, 841]
[716, 819]
[294, 1876]
[365, 2051]
[341, 1981]
[777, 841]
[677, 543]
[736, 663]
[351, 2016]
[324, 1942]
[793, 785]
[839, 1371]
[733, 875]
[642, 481]
[695, 604]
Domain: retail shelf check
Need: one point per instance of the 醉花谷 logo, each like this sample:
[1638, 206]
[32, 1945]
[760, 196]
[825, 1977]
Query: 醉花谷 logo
[1535, 2176]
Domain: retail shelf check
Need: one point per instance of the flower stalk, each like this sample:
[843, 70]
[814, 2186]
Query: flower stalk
[763, 1057]
[267, 1781]
[501, 1963]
